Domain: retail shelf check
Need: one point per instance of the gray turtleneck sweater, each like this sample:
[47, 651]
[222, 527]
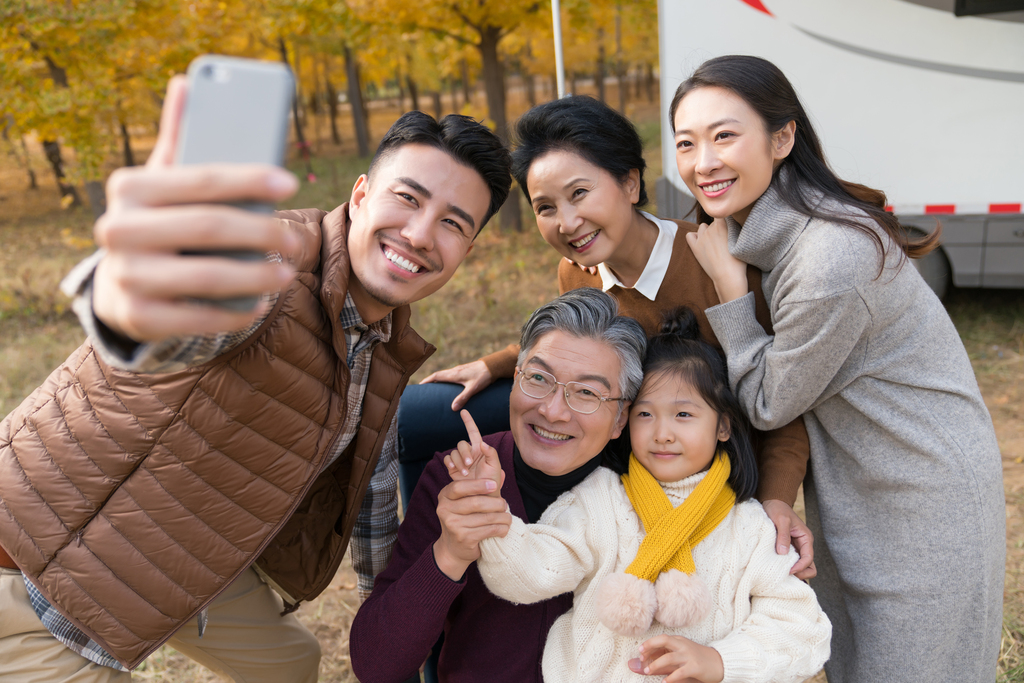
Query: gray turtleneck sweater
[905, 491]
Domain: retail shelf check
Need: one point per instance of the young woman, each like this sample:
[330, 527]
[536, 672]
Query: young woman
[905, 485]
[581, 165]
[672, 557]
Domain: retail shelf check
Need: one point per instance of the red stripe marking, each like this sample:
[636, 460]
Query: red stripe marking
[1004, 208]
[757, 4]
[940, 208]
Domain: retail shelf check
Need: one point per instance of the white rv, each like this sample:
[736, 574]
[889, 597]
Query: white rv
[907, 97]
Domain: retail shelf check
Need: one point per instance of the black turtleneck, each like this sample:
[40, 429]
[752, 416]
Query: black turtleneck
[540, 490]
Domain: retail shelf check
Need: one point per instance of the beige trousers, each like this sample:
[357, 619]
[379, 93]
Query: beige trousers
[246, 640]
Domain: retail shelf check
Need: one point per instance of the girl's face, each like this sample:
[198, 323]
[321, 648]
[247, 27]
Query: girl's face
[582, 211]
[723, 153]
[673, 431]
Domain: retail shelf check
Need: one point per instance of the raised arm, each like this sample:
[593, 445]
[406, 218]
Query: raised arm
[779, 378]
[144, 288]
[534, 562]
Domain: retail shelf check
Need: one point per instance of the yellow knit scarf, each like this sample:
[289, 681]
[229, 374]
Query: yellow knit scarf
[673, 533]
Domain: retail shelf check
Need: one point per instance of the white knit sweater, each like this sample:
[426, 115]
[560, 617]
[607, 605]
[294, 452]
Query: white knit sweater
[766, 624]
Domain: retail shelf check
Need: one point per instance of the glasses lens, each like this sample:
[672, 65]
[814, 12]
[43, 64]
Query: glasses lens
[536, 383]
[582, 398]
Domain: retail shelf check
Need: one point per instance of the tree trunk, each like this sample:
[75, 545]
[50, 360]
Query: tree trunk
[601, 66]
[650, 82]
[620, 73]
[401, 91]
[494, 86]
[453, 90]
[32, 184]
[531, 89]
[438, 109]
[299, 137]
[467, 95]
[68, 193]
[27, 162]
[355, 98]
[97, 196]
[126, 145]
[414, 92]
[332, 107]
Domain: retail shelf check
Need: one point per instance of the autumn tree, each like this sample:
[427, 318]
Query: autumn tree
[482, 24]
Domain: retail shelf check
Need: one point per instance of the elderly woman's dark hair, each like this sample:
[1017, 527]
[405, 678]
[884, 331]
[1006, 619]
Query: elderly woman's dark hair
[584, 126]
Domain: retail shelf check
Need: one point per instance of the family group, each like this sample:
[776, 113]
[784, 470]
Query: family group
[609, 499]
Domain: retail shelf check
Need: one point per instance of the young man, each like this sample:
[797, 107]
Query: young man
[168, 472]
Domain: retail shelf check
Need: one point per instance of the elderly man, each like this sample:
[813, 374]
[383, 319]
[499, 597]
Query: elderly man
[169, 473]
[591, 361]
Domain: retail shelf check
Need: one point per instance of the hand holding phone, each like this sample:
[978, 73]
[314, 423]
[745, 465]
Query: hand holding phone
[144, 288]
[237, 111]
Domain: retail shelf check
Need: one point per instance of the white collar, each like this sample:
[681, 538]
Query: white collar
[657, 264]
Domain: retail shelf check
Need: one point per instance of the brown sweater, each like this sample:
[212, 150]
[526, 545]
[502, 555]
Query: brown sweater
[783, 452]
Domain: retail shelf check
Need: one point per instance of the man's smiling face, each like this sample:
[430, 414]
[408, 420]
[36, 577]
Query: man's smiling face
[413, 223]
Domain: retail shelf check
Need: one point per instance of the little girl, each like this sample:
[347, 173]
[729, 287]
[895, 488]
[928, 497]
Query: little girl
[672, 565]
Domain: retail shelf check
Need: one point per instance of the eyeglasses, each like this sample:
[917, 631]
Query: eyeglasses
[582, 398]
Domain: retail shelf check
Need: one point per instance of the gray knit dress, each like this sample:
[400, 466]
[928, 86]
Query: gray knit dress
[904, 492]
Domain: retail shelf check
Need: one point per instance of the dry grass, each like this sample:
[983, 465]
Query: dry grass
[504, 279]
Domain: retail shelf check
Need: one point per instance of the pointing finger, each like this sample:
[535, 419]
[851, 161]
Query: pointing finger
[474, 433]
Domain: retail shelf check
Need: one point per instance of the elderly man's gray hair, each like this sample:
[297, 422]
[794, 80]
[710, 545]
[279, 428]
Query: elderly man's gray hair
[589, 313]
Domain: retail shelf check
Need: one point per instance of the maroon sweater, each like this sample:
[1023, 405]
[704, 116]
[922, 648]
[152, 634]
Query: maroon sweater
[413, 602]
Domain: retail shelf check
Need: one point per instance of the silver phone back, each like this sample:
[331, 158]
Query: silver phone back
[236, 111]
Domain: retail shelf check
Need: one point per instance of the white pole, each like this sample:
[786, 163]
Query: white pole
[556, 22]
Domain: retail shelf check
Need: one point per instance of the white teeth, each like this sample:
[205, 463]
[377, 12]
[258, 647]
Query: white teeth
[401, 262]
[551, 435]
[718, 186]
[584, 241]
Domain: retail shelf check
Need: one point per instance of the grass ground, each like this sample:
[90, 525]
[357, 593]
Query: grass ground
[480, 310]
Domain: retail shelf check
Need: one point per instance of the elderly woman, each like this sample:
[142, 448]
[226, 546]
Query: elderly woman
[592, 358]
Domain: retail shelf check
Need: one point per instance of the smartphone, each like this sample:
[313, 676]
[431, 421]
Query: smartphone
[236, 111]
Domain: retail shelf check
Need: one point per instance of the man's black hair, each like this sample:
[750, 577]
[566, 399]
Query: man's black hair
[467, 141]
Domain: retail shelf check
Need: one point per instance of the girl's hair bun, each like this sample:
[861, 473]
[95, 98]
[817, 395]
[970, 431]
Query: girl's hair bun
[681, 322]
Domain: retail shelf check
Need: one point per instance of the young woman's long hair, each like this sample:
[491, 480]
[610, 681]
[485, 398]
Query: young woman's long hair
[678, 352]
[768, 92]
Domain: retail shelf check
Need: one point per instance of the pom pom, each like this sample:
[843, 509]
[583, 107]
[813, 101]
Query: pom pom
[626, 604]
[683, 599]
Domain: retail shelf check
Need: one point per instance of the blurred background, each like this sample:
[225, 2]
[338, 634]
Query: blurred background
[81, 86]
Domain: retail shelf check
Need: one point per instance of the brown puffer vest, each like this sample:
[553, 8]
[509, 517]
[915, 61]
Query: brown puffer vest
[132, 500]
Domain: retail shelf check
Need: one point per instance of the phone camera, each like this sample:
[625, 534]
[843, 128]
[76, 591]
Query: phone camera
[215, 72]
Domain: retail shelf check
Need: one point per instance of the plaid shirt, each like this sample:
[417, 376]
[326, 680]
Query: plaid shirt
[377, 523]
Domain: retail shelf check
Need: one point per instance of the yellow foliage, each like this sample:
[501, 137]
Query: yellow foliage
[77, 70]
